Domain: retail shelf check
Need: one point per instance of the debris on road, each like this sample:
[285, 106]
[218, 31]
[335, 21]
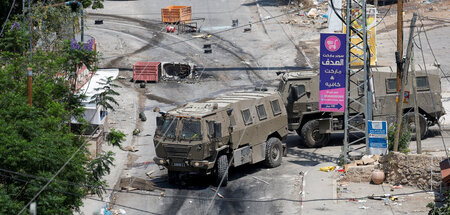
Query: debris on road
[109, 211]
[138, 183]
[312, 13]
[398, 186]
[146, 163]
[203, 36]
[130, 149]
[149, 174]
[218, 194]
[142, 116]
[327, 168]
[136, 131]
[260, 179]
[363, 207]
[161, 195]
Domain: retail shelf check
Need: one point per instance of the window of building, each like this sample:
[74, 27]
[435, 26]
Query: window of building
[261, 112]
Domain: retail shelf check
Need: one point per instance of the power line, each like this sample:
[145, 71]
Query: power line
[76, 194]
[149, 194]
[431, 94]
[56, 174]
[220, 31]
[431, 49]
[390, 6]
[7, 17]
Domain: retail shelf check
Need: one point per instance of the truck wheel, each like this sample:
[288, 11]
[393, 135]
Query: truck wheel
[173, 176]
[274, 152]
[221, 171]
[411, 123]
[313, 138]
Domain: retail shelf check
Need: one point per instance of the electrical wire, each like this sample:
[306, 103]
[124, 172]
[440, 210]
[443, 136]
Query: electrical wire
[56, 174]
[431, 49]
[431, 94]
[7, 17]
[148, 194]
[200, 198]
[291, 40]
[76, 194]
[383, 16]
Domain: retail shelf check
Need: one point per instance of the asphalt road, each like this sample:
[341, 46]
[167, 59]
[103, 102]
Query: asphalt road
[132, 32]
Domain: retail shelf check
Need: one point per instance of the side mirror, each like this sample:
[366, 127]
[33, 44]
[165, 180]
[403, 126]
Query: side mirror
[217, 130]
[229, 111]
[293, 94]
[159, 121]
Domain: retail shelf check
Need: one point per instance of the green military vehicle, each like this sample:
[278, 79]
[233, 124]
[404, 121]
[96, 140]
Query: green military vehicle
[233, 129]
[315, 126]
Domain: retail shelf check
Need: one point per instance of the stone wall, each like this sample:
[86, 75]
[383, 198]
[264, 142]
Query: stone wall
[415, 170]
[358, 174]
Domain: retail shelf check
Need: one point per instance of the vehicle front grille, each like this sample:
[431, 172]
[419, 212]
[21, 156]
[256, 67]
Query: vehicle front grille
[177, 151]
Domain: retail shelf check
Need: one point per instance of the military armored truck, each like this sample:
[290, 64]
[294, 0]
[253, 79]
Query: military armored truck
[315, 126]
[208, 135]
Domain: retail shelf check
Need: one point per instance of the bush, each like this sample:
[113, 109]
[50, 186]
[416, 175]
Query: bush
[403, 142]
[444, 209]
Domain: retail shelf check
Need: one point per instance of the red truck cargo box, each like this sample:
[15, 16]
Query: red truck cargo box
[146, 71]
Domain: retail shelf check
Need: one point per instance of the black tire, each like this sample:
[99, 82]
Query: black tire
[274, 152]
[173, 176]
[411, 125]
[221, 171]
[313, 138]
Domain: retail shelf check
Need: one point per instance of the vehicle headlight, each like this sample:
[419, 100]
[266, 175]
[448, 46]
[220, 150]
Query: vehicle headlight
[199, 147]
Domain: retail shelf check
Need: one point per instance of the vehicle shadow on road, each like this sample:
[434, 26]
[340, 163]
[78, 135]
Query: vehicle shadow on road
[194, 181]
[313, 156]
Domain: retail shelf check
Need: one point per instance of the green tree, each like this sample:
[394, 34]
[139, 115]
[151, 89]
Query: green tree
[105, 94]
[36, 141]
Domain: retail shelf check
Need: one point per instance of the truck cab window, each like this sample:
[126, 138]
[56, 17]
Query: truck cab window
[168, 128]
[275, 107]
[247, 117]
[391, 85]
[191, 130]
[261, 112]
[300, 89]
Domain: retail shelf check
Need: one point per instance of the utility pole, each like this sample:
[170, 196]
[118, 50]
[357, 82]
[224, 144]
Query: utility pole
[30, 86]
[353, 121]
[400, 54]
[399, 41]
[404, 70]
[416, 109]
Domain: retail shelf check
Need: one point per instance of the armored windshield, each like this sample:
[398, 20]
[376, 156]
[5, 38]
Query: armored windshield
[168, 128]
[191, 130]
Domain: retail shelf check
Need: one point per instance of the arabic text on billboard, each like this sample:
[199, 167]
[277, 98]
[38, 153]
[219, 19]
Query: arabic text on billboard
[332, 72]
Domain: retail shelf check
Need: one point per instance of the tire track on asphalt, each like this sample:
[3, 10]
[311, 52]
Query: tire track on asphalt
[153, 42]
[242, 59]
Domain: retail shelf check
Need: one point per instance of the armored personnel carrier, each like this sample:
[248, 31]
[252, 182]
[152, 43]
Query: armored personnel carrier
[300, 93]
[210, 135]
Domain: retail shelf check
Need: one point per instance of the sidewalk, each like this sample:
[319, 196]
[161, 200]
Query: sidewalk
[323, 195]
